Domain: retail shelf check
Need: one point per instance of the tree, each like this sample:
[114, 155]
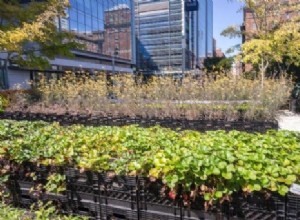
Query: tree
[29, 34]
[218, 64]
[279, 46]
[275, 38]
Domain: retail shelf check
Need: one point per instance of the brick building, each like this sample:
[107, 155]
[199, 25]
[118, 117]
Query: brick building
[271, 15]
[117, 31]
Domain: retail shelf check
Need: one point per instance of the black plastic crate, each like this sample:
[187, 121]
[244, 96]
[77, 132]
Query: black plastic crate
[293, 207]
[110, 212]
[195, 209]
[82, 178]
[81, 185]
[202, 215]
[28, 189]
[43, 172]
[89, 215]
[154, 199]
[117, 190]
[80, 190]
[84, 201]
[26, 203]
[260, 214]
[62, 197]
[257, 206]
[146, 215]
[183, 123]
[83, 205]
[60, 202]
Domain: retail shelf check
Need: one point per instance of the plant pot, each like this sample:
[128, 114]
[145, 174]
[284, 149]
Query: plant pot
[294, 105]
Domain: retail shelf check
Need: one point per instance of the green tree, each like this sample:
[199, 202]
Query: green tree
[275, 39]
[29, 34]
[218, 64]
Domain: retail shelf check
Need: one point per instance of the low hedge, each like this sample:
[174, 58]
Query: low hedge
[213, 164]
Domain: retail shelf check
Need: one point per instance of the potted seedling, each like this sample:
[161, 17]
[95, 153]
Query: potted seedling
[295, 101]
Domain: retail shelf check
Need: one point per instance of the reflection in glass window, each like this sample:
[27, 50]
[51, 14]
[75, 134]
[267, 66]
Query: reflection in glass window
[103, 26]
[80, 5]
[73, 26]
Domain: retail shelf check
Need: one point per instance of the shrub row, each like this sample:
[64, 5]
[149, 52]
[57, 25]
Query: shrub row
[221, 97]
[213, 164]
[168, 122]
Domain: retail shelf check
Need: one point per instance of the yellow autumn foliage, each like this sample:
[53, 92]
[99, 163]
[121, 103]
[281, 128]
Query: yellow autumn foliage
[223, 97]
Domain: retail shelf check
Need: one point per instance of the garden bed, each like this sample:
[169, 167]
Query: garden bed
[106, 196]
[209, 103]
[150, 173]
[169, 122]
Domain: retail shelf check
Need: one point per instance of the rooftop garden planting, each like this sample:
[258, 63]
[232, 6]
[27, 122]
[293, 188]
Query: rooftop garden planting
[212, 164]
[219, 97]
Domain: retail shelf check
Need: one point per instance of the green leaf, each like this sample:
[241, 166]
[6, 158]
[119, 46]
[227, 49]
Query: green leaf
[222, 165]
[230, 168]
[227, 176]
[218, 194]
[282, 190]
[252, 176]
[207, 196]
[257, 187]
[290, 179]
[216, 171]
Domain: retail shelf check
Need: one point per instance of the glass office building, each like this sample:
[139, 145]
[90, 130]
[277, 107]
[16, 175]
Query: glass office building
[205, 28]
[159, 30]
[209, 28]
[171, 36]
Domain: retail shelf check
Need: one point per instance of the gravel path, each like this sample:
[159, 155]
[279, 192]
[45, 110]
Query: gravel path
[288, 121]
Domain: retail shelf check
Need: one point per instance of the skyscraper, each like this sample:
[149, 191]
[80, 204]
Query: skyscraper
[172, 35]
[205, 28]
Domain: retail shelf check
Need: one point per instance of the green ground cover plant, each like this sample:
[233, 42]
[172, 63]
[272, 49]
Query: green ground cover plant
[213, 164]
[3, 103]
[42, 212]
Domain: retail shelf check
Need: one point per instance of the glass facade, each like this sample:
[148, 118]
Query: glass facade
[209, 29]
[205, 31]
[202, 20]
[170, 37]
[104, 26]
[159, 30]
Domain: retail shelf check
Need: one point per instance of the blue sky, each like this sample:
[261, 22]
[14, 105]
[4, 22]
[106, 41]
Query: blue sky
[226, 13]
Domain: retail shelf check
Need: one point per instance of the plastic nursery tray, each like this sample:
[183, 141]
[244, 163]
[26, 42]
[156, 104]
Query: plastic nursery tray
[173, 123]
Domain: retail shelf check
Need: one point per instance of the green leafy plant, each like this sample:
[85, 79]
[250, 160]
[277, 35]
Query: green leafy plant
[213, 164]
[56, 183]
[8, 212]
[3, 103]
[38, 212]
[47, 211]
